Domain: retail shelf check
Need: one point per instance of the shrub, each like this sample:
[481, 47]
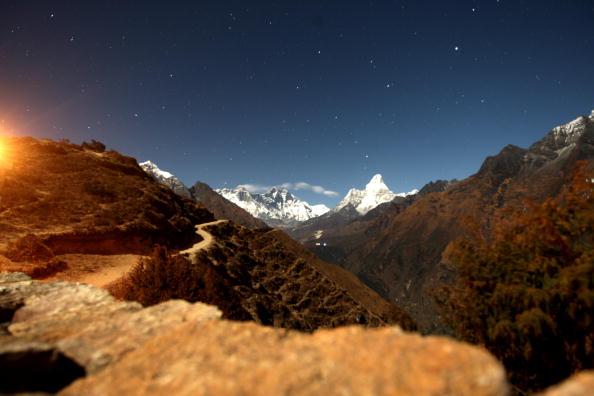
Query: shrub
[162, 277]
[526, 292]
[93, 146]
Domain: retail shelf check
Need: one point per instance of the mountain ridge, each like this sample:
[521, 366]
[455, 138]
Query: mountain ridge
[399, 252]
[277, 207]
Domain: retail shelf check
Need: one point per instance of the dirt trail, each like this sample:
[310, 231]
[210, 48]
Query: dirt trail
[206, 241]
[100, 270]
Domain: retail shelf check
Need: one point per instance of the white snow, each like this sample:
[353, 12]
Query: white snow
[375, 193]
[564, 135]
[154, 169]
[165, 178]
[319, 209]
[275, 204]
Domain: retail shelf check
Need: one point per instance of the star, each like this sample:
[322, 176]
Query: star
[456, 48]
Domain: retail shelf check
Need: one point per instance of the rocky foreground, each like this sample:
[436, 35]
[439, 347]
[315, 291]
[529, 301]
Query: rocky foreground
[73, 339]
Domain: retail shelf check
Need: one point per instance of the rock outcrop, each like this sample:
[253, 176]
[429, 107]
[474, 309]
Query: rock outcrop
[581, 384]
[185, 349]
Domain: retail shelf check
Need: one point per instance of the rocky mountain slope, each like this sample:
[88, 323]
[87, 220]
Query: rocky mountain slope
[166, 178]
[80, 199]
[399, 252]
[317, 233]
[277, 207]
[276, 281]
[60, 199]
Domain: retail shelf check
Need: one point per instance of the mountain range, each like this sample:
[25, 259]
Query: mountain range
[397, 248]
[220, 207]
[277, 207]
[66, 209]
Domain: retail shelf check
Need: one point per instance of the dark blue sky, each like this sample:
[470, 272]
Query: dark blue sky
[322, 92]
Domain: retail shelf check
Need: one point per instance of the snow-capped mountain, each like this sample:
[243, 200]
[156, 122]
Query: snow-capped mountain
[375, 193]
[277, 206]
[558, 143]
[166, 178]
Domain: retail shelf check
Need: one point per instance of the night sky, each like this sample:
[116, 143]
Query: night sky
[322, 92]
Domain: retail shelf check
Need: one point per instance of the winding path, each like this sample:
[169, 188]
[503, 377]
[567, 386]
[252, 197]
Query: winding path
[101, 270]
[206, 239]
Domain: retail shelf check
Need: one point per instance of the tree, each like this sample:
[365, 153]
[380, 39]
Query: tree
[526, 290]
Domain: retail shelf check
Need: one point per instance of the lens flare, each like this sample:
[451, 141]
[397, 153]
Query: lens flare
[3, 158]
[5, 152]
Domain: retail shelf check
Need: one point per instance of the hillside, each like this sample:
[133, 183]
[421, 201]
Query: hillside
[78, 213]
[263, 276]
[59, 198]
[399, 252]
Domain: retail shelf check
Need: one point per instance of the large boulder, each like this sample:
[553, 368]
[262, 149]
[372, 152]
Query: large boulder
[581, 384]
[56, 332]
[232, 358]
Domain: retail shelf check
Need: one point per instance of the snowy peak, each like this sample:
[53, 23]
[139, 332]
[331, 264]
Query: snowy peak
[376, 184]
[375, 193]
[560, 142]
[153, 170]
[165, 178]
[278, 207]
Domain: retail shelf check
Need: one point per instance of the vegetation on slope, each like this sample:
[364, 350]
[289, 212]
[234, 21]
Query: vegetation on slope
[526, 292]
[260, 276]
[59, 197]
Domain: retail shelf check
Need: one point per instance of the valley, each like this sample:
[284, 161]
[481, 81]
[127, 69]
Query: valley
[337, 198]
[377, 259]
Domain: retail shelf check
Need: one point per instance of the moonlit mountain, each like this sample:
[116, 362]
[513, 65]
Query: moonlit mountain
[277, 207]
[166, 178]
[375, 193]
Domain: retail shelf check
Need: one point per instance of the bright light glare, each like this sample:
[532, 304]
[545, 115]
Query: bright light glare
[4, 152]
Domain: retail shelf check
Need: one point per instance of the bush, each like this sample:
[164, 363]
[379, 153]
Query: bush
[162, 277]
[95, 146]
[526, 292]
